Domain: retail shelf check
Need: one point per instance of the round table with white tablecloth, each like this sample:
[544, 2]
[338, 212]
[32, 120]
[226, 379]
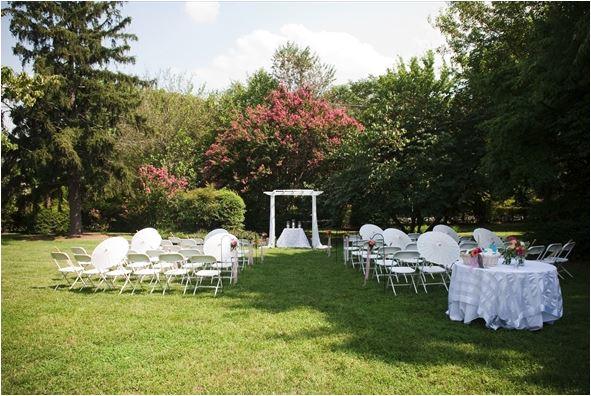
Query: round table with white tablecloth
[293, 238]
[505, 296]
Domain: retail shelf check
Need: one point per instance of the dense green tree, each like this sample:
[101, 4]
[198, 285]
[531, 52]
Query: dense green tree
[296, 68]
[526, 66]
[66, 137]
[419, 154]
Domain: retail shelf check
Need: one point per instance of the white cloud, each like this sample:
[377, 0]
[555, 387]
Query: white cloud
[202, 11]
[352, 58]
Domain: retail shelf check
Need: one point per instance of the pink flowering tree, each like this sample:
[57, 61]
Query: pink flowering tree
[156, 180]
[280, 144]
[157, 189]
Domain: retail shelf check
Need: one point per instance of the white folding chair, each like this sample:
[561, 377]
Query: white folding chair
[207, 271]
[406, 263]
[551, 251]
[384, 261]
[174, 262]
[118, 271]
[414, 236]
[65, 266]
[535, 252]
[141, 266]
[137, 261]
[154, 255]
[560, 259]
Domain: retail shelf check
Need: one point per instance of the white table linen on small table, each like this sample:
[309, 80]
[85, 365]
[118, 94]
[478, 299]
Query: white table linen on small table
[293, 238]
[505, 296]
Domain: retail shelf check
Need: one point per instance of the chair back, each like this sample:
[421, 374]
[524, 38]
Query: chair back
[61, 259]
[535, 252]
[78, 250]
[206, 260]
[388, 251]
[414, 236]
[138, 258]
[552, 250]
[165, 242]
[412, 246]
[83, 260]
[407, 257]
[176, 259]
[190, 252]
[566, 249]
[466, 239]
[174, 240]
[188, 243]
[154, 253]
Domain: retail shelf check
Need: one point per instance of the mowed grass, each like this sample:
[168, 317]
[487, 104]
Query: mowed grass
[300, 322]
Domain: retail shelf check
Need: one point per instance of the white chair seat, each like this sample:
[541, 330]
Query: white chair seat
[402, 270]
[93, 271]
[433, 269]
[412, 260]
[162, 266]
[176, 272]
[193, 265]
[71, 269]
[208, 273]
[222, 265]
[147, 271]
[118, 272]
[138, 265]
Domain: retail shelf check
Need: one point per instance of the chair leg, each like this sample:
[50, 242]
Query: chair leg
[127, 281]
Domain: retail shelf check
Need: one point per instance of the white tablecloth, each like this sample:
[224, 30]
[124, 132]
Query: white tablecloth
[293, 238]
[504, 296]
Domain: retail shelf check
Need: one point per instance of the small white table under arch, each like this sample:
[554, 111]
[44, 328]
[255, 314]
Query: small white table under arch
[294, 193]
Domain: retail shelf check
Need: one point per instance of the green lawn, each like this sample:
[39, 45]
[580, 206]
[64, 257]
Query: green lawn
[298, 323]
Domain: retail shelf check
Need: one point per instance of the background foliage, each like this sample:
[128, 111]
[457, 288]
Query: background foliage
[500, 132]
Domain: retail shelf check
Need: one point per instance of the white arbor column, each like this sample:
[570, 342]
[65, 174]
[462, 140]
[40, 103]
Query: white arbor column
[315, 237]
[272, 222]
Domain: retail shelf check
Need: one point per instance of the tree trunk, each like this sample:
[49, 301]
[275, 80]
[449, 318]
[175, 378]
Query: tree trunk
[75, 203]
[434, 223]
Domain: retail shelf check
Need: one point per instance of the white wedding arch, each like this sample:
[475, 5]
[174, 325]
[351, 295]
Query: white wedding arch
[296, 193]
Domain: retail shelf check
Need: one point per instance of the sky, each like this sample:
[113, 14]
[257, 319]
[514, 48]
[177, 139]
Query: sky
[216, 43]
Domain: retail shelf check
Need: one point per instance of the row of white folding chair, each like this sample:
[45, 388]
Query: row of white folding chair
[558, 255]
[82, 268]
[185, 242]
[137, 264]
[385, 262]
[172, 266]
[410, 264]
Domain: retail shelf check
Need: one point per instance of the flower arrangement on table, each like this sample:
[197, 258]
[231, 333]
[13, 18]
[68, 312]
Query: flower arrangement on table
[515, 250]
[478, 257]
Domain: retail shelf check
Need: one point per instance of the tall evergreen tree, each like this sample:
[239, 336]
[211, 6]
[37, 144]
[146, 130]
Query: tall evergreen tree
[66, 138]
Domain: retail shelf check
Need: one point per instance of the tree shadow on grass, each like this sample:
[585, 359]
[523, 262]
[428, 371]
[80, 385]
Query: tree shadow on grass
[413, 328]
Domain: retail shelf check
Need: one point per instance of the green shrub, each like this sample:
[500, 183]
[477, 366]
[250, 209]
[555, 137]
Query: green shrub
[208, 208]
[50, 221]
